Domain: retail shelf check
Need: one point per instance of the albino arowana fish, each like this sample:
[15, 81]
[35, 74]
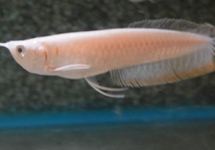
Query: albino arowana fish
[148, 52]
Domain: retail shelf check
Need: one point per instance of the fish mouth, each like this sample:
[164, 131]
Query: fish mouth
[3, 45]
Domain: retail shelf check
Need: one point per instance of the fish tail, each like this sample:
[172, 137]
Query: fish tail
[191, 64]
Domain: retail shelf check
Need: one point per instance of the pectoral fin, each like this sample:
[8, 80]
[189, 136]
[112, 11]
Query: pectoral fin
[73, 67]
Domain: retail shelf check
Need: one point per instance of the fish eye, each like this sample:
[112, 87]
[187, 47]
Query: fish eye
[20, 49]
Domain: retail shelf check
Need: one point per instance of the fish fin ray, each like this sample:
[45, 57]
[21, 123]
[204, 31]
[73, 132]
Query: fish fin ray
[73, 67]
[99, 89]
[176, 24]
[92, 81]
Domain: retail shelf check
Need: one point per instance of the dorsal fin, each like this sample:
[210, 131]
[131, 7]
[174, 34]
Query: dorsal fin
[176, 24]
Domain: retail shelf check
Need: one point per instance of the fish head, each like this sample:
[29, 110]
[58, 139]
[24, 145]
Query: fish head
[27, 54]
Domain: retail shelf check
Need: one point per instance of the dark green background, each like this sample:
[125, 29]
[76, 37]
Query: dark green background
[22, 19]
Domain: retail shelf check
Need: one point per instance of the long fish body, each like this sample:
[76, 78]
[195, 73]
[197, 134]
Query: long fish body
[146, 53]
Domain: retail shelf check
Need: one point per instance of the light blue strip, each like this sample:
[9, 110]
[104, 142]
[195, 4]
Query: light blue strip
[106, 116]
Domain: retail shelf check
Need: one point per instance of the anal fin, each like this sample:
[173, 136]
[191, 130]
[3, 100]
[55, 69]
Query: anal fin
[166, 71]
